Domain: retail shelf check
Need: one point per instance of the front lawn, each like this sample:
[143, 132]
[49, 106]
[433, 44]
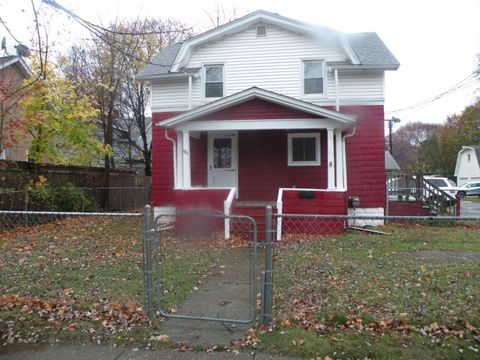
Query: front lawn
[414, 293]
[82, 279]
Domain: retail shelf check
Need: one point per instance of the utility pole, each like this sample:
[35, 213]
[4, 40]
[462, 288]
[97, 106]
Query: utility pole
[390, 126]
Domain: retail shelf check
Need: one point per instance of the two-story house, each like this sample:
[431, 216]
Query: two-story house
[261, 109]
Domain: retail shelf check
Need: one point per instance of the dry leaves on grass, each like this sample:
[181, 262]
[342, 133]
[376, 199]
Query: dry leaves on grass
[64, 312]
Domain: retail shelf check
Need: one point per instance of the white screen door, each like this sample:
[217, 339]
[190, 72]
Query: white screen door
[222, 160]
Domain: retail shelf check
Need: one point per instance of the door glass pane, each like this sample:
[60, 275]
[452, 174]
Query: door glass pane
[222, 153]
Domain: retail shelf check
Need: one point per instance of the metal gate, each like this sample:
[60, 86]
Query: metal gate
[202, 266]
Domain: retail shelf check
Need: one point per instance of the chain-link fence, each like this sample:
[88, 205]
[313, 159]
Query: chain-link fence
[219, 255]
[70, 275]
[376, 273]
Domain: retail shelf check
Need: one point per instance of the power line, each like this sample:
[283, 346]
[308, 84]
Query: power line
[100, 32]
[470, 80]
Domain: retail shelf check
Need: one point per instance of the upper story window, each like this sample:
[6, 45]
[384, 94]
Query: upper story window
[313, 74]
[214, 83]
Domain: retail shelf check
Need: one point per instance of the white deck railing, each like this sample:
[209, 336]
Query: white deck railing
[227, 209]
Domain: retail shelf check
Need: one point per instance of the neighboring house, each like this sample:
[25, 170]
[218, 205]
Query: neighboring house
[13, 71]
[390, 163]
[468, 164]
[264, 107]
[128, 145]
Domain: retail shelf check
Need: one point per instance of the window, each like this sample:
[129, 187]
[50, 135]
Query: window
[214, 81]
[304, 149]
[313, 77]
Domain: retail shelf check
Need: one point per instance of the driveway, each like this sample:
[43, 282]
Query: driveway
[469, 208]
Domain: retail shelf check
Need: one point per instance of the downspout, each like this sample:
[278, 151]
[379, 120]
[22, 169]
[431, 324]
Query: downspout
[174, 157]
[345, 184]
[189, 92]
[337, 95]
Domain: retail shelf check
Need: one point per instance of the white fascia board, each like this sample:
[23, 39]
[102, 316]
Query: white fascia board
[260, 16]
[166, 76]
[20, 63]
[260, 94]
[363, 67]
[269, 124]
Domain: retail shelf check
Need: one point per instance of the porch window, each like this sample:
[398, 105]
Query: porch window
[214, 81]
[304, 149]
[313, 77]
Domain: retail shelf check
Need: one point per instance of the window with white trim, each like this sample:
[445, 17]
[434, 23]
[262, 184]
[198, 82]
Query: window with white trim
[304, 149]
[214, 81]
[313, 77]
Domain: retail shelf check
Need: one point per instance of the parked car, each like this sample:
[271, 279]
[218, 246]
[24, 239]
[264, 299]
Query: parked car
[471, 188]
[443, 183]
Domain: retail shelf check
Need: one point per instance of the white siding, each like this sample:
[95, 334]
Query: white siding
[273, 63]
[468, 170]
[170, 94]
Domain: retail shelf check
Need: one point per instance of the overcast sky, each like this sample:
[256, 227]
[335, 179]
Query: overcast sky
[436, 42]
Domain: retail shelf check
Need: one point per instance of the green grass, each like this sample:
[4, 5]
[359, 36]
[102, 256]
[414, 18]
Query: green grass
[86, 275]
[366, 345]
[472, 199]
[331, 283]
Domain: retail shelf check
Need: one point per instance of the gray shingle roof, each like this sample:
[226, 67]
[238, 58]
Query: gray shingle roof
[390, 162]
[371, 50]
[161, 63]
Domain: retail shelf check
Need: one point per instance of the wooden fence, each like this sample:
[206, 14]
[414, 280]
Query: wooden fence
[121, 190]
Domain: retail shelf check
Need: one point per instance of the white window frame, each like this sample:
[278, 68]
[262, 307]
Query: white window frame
[292, 136]
[204, 80]
[324, 74]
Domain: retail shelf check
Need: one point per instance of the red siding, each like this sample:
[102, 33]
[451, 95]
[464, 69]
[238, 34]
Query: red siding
[366, 156]
[199, 160]
[263, 165]
[257, 109]
[263, 156]
[397, 208]
[211, 199]
[325, 203]
[199, 223]
[162, 163]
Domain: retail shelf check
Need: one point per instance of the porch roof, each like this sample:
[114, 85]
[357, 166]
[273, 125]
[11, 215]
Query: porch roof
[323, 118]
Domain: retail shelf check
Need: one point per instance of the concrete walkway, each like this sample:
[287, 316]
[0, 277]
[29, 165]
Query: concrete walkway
[226, 294]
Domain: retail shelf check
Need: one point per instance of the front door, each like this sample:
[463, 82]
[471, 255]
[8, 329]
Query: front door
[222, 160]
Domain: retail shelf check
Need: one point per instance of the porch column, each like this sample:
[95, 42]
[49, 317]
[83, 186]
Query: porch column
[179, 183]
[187, 182]
[331, 160]
[339, 159]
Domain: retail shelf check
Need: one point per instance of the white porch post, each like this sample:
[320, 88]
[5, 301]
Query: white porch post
[339, 159]
[179, 183]
[331, 160]
[186, 159]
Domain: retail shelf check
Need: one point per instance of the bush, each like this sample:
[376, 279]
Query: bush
[45, 197]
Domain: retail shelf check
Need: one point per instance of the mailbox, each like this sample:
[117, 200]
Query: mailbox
[353, 201]
[306, 194]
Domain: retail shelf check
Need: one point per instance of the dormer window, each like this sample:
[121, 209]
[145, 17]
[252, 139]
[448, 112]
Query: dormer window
[313, 74]
[213, 81]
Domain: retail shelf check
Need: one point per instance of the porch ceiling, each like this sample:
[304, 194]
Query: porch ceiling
[322, 118]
